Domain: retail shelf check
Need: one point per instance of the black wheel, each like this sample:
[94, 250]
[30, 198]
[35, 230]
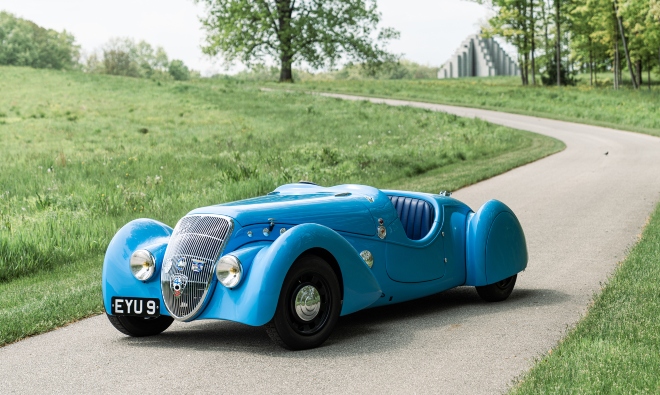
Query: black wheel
[499, 291]
[140, 326]
[308, 307]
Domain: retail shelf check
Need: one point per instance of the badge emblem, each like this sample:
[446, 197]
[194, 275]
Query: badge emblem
[181, 263]
[197, 266]
[178, 284]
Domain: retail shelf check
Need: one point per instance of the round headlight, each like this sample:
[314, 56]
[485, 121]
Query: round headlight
[229, 271]
[143, 265]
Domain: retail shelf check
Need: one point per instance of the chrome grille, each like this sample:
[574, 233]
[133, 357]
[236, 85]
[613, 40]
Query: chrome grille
[195, 245]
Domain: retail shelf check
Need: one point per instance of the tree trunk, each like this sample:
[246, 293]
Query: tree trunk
[558, 28]
[595, 75]
[615, 69]
[648, 73]
[533, 30]
[284, 13]
[625, 46]
[591, 64]
[639, 73]
[526, 61]
[545, 27]
[286, 74]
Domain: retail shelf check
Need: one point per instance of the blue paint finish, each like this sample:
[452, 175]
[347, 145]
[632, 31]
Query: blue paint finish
[117, 279]
[506, 254]
[496, 247]
[454, 239]
[459, 248]
[254, 300]
[318, 205]
[414, 261]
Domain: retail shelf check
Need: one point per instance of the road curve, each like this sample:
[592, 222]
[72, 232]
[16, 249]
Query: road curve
[580, 209]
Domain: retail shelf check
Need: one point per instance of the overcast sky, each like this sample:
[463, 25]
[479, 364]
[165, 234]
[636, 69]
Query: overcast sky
[430, 29]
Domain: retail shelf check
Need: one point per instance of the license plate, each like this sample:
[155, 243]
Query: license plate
[138, 307]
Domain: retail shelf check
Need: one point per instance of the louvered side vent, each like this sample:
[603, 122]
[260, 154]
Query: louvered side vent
[195, 245]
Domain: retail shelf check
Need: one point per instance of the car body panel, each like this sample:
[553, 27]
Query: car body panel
[337, 223]
[254, 300]
[117, 279]
[496, 246]
[326, 207]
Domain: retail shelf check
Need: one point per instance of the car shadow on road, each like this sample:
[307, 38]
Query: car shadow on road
[380, 329]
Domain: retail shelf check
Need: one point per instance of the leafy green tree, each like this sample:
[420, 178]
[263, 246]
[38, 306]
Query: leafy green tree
[639, 18]
[118, 62]
[597, 35]
[24, 43]
[178, 70]
[317, 32]
[127, 57]
[519, 23]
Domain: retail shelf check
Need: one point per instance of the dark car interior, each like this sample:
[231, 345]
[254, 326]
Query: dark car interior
[416, 215]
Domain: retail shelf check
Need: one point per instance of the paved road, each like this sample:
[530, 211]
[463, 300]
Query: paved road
[580, 209]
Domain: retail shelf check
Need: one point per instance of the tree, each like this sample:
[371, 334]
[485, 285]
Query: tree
[24, 43]
[317, 32]
[558, 73]
[516, 21]
[125, 56]
[118, 62]
[178, 70]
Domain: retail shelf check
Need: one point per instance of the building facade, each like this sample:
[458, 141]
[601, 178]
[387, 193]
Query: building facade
[479, 57]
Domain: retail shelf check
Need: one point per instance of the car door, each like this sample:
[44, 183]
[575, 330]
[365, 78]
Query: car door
[412, 261]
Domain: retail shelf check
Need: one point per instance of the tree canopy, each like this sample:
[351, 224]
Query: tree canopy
[127, 57]
[24, 43]
[565, 36]
[319, 33]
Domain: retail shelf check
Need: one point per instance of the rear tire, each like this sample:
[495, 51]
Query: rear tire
[308, 307]
[140, 326]
[499, 291]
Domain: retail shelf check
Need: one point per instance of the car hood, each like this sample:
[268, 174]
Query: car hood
[344, 208]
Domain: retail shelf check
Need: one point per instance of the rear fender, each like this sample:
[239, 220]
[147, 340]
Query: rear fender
[496, 246]
[254, 301]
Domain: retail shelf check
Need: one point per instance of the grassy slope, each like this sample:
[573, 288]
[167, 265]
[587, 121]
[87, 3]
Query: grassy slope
[615, 349]
[84, 154]
[623, 109]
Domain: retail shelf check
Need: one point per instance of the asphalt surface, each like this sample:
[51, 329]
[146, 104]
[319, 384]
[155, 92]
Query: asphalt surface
[581, 210]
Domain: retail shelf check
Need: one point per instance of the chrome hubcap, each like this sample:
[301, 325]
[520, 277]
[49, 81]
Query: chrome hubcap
[308, 303]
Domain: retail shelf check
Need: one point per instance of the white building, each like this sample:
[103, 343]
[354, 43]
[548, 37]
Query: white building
[478, 57]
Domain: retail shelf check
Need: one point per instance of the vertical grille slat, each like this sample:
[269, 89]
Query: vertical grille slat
[198, 238]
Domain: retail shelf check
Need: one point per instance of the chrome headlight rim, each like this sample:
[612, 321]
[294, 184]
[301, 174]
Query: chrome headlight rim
[229, 271]
[142, 264]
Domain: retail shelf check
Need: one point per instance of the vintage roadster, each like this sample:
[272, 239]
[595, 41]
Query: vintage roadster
[299, 257]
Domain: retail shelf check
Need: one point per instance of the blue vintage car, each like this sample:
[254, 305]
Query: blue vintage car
[299, 257]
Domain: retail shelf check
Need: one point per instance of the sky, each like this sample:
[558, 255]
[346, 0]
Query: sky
[431, 30]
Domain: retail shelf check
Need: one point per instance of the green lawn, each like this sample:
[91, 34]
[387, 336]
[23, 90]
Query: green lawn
[615, 349]
[84, 154]
[626, 109]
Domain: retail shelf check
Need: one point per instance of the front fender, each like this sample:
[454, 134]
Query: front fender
[254, 301]
[117, 277]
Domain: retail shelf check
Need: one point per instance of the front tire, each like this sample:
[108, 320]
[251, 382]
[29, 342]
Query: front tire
[499, 291]
[140, 326]
[308, 307]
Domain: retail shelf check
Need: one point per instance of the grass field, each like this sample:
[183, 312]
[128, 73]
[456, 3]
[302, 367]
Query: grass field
[84, 154]
[623, 109]
[615, 349]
